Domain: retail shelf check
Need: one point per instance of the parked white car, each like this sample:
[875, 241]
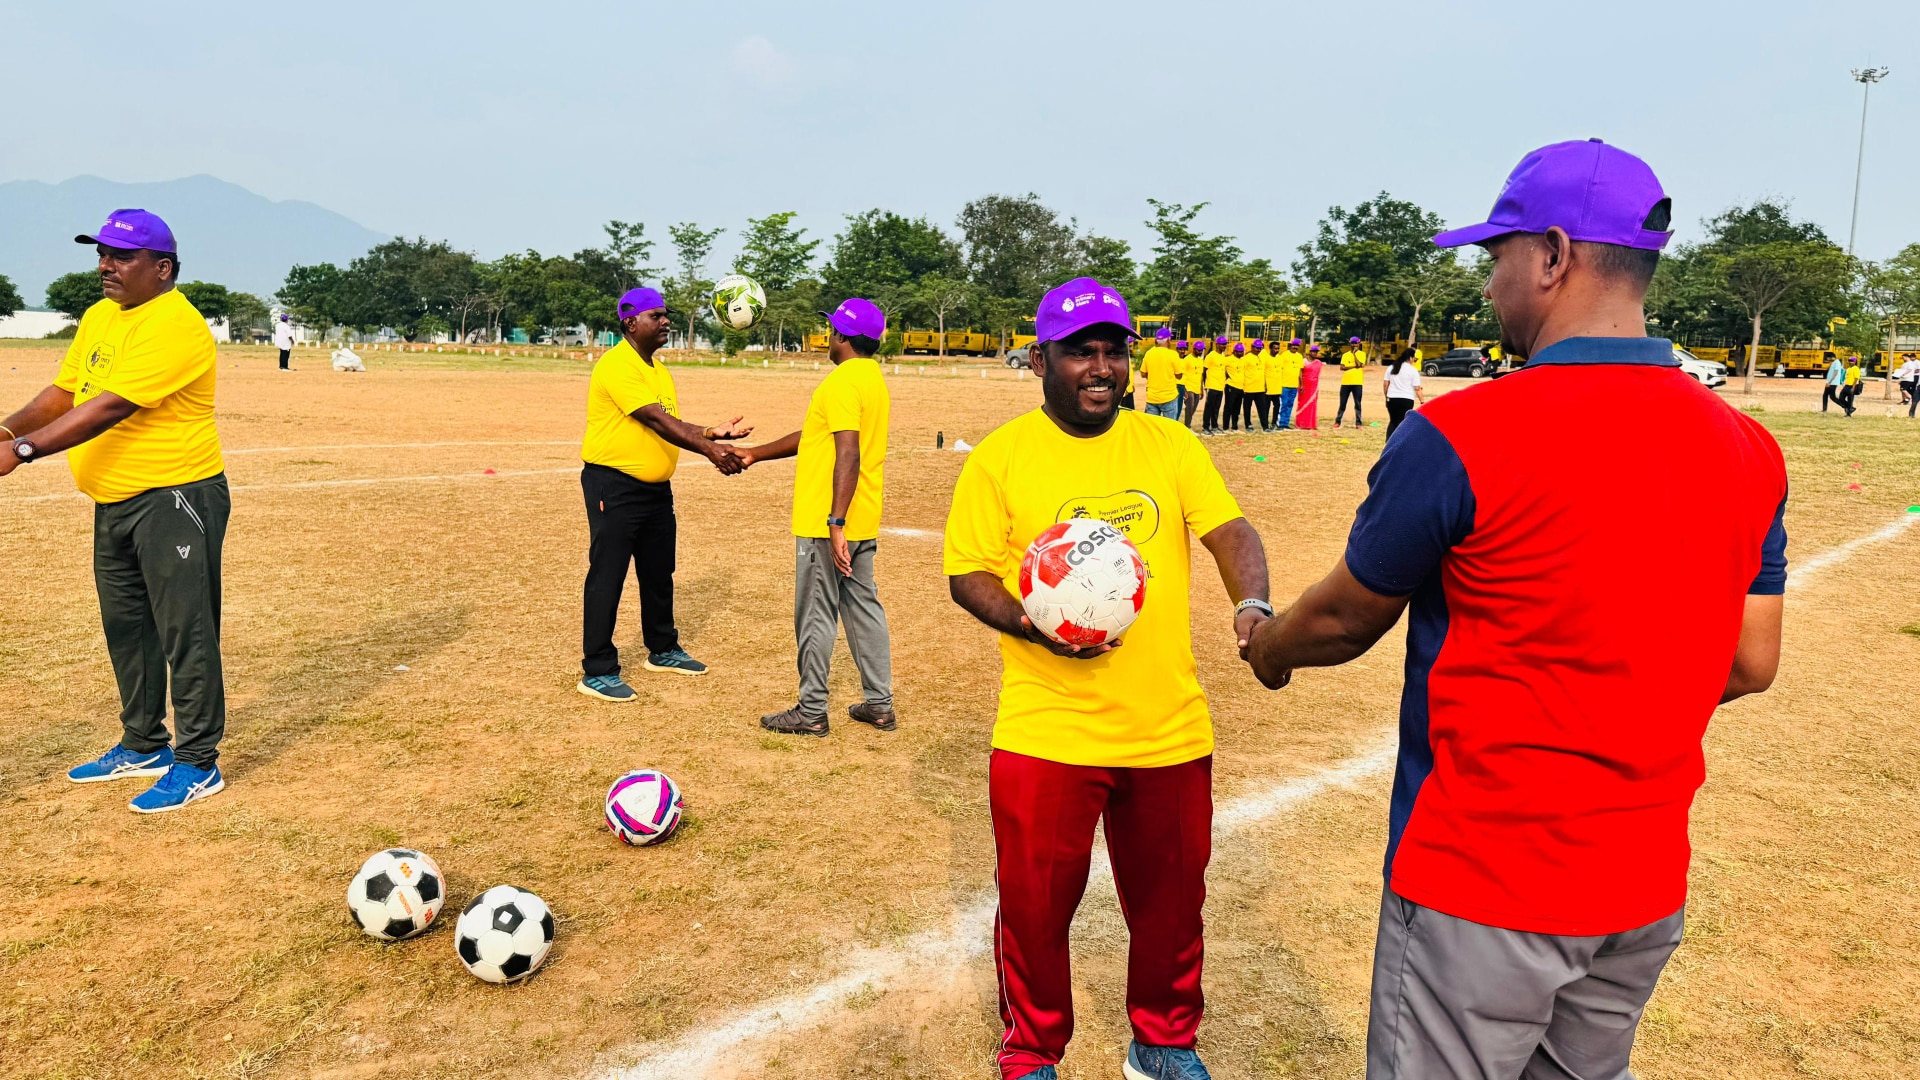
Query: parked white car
[1705, 372]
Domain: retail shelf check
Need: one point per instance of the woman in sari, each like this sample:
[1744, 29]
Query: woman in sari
[1307, 413]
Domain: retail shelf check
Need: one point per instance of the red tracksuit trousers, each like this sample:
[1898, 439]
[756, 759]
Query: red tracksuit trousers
[1159, 826]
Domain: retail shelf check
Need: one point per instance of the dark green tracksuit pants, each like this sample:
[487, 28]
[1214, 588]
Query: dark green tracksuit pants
[156, 566]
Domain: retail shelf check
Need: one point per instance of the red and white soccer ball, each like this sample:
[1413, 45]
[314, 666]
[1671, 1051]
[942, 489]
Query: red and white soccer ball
[1082, 582]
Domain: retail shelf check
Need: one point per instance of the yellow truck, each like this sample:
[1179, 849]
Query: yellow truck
[1798, 360]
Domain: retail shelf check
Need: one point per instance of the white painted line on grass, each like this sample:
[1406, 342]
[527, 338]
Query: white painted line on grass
[913, 534]
[1797, 575]
[933, 956]
[364, 481]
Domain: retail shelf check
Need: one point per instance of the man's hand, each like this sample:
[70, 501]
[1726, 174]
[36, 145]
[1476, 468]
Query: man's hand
[9, 460]
[1245, 625]
[842, 558]
[732, 429]
[725, 458]
[1071, 652]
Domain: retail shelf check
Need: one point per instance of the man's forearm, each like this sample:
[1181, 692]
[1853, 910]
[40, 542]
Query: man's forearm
[47, 406]
[846, 472]
[984, 597]
[1336, 620]
[785, 446]
[81, 423]
[1241, 558]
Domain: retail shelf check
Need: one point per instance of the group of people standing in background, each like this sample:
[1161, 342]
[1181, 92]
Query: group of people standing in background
[1236, 386]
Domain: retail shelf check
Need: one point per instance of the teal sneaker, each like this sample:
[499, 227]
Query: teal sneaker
[182, 784]
[1162, 1063]
[676, 661]
[606, 688]
[121, 763]
[1044, 1072]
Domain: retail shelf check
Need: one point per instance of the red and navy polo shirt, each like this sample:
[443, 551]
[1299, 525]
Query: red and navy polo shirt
[1579, 539]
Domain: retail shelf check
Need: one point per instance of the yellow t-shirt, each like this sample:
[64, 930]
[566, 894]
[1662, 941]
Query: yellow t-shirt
[1163, 368]
[1140, 706]
[853, 397]
[1853, 375]
[1236, 370]
[1291, 364]
[1353, 364]
[160, 356]
[1215, 370]
[1253, 374]
[1190, 374]
[622, 384]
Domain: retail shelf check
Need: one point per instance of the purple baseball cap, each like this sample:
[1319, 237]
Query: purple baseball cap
[1296, 341]
[636, 301]
[1070, 308]
[1259, 343]
[1599, 194]
[1181, 344]
[856, 317]
[1162, 334]
[1240, 346]
[1221, 340]
[132, 230]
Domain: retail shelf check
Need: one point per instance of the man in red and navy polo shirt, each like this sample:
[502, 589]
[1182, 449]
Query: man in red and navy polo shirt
[1585, 585]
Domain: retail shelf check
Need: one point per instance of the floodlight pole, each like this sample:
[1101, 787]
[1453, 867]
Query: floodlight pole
[1866, 77]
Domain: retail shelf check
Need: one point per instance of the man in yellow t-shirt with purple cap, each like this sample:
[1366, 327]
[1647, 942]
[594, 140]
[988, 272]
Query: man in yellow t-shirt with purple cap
[132, 406]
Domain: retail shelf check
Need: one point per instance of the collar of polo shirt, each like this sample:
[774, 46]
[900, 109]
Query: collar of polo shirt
[1652, 352]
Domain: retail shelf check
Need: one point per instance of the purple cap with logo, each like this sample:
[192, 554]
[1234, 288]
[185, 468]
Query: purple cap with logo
[1221, 340]
[1181, 344]
[132, 230]
[1353, 341]
[1313, 348]
[856, 317]
[1162, 334]
[1259, 343]
[1599, 194]
[637, 301]
[1296, 341]
[1080, 303]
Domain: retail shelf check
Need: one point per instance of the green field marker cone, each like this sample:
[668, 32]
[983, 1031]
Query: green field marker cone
[1259, 457]
[1913, 509]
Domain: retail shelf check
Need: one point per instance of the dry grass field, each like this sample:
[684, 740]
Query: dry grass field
[367, 537]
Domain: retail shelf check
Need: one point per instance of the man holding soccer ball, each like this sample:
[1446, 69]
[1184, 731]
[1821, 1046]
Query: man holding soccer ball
[632, 446]
[1119, 730]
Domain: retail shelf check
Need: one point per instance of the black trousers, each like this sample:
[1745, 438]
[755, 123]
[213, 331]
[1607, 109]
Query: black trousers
[156, 566]
[1345, 393]
[1126, 400]
[1211, 420]
[1835, 394]
[1256, 403]
[628, 521]
[1397, 410]
[1192, 405]
[1236, 399]
[284, 355]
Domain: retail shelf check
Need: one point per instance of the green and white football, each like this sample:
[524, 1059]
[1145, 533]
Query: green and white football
[738, 302]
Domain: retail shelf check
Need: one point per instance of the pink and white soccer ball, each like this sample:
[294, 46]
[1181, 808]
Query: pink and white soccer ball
[1082, 582]
[643, 807]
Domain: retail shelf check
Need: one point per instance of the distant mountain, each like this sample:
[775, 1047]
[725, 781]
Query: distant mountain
[227, 234]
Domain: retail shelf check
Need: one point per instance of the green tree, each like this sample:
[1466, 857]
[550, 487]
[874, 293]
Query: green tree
[880, 250]
[1234, 289]
[10, 301]
[1766, 275]
[72, 294]
[941, 296]
[1890, 290]
[626, 253]
[1437, 284]
[689, 288]
[1108, 261]
[401, 282]
[210, 300]
[1016, 247]
[1181, 256]
[774, 253]
[247, 313]
[313, 294]
[1362, 251]
[1689, 298]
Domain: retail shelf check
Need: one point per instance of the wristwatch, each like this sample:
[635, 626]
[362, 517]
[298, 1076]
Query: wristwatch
[833, 521]
[24, 450]
[1258, 605]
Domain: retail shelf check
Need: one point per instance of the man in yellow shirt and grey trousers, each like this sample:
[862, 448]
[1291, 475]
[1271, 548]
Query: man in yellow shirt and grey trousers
[837, 484]
[629, 453]
[133, 407]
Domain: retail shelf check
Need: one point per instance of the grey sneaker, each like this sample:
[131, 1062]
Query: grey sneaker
[1162, 1063]
[606, 688]
[794, 722]
[676, 661]
[880, 716]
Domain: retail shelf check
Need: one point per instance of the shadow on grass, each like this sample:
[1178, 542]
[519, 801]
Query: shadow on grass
[338, 673]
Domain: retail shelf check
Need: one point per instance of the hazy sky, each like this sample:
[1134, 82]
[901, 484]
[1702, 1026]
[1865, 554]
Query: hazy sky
[503, 126]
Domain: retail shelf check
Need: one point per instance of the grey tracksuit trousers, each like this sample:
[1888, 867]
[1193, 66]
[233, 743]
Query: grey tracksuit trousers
[823, 600]
[156, 566]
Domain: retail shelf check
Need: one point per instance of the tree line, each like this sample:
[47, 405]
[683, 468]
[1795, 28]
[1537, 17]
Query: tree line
[1757, 275]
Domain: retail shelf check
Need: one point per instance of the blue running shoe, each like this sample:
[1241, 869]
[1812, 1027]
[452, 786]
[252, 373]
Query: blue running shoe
[1162, 1063]
[121, 763]
[182, 784]
[606, 688]
[676, 661]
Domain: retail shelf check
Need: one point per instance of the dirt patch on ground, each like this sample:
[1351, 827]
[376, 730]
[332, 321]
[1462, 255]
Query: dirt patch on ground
[368, 536]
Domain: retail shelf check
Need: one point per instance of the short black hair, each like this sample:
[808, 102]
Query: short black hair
[170, 257]
[862, 344]
[1626, 265]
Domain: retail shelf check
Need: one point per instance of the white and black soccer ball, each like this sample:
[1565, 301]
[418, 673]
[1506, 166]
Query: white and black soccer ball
[504, 934]
[738, 302]
[643, 807]
[396, 894]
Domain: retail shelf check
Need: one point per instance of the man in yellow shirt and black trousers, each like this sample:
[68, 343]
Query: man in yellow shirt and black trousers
[631, 448]
[1353, 380]
[837, 484]
[1083, 735]
[133, 407]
